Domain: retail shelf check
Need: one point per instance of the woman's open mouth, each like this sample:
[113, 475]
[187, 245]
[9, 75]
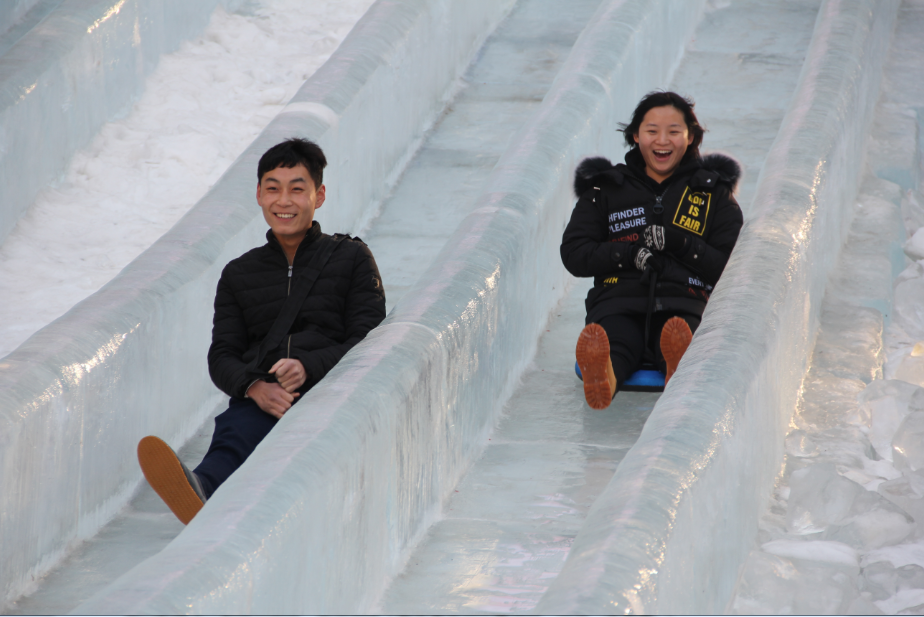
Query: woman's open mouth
[662, 156]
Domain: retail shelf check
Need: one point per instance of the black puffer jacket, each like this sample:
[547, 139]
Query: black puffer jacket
[346, 302]
[615, 205]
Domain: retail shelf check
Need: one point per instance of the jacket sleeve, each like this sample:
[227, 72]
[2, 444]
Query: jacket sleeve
[364, 309]
[229, 342]
[708, 259]
[585, 249]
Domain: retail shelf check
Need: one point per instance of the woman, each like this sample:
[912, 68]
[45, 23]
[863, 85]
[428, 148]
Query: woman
[655, 233]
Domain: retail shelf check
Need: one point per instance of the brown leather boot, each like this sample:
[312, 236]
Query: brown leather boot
[593, 357]
[168, 476]
[675, 338]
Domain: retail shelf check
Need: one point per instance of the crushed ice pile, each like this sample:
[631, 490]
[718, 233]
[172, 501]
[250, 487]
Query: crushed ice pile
[201, 107]
[844, 533]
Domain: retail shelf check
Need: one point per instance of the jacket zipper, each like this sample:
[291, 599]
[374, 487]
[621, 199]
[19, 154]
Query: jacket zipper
[289, 341]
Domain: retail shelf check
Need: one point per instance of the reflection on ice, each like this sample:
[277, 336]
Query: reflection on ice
[844, 532]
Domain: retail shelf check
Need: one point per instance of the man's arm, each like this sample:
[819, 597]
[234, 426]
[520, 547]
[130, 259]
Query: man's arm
[229, 342]
[364, 309]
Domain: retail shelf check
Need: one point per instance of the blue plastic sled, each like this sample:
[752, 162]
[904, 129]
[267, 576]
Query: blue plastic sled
[642, 380]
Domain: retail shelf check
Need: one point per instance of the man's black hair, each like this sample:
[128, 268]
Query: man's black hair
[292, 152]
[665, 99]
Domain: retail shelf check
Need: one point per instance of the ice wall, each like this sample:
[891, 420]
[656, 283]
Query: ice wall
[674, 526]
[79, 67]
[327, 507]
[130, 360]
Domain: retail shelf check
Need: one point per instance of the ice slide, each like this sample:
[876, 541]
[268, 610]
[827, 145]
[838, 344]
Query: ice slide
[341, 511]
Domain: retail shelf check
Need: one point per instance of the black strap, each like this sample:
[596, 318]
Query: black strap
[648, 355]
[301, 287]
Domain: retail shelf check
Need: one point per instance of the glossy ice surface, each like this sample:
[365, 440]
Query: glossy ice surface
[844, 527]
[403, 466]
[509, 527]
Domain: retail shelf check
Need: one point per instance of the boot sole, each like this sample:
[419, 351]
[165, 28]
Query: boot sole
[593, 356]
[675, 338]
[164, 473]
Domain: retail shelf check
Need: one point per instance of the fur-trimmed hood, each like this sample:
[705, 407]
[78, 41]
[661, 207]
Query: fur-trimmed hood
[591, 169]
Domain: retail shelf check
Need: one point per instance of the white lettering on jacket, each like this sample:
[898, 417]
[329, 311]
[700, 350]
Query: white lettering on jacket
[617, 227]
[626, 214]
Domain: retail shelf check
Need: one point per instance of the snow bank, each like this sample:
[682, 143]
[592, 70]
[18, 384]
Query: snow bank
[328, 506]
[129, 360]
[679, 517]
[71, 73]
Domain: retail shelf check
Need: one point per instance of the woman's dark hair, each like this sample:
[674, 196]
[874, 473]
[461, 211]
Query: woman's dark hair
[664, 99]
[293, 152]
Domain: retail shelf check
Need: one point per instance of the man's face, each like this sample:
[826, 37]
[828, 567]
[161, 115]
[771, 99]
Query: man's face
[289, 198]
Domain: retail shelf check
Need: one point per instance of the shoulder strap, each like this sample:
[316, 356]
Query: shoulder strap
[301, 287]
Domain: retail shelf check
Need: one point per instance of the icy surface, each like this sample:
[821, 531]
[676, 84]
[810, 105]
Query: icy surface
[670, 532]
[860, 483]
[129, 360]
[509, 525]
[200, 109]
[384, 440]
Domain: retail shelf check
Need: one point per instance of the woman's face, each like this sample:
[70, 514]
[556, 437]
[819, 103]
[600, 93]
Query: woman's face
[663, 139]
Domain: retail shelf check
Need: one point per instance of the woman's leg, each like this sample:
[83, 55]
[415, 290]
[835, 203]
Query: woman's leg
[627, 343]
[676, 330]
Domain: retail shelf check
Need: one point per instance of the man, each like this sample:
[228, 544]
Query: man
[285, 313]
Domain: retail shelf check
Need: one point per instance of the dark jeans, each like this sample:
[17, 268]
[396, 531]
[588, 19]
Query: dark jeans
[237, 433]
[627, 339]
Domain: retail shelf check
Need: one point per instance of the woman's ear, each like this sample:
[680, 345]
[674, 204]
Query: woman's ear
[635, 137]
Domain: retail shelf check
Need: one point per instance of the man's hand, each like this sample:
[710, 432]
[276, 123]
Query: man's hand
[271, 398]
[290, 374]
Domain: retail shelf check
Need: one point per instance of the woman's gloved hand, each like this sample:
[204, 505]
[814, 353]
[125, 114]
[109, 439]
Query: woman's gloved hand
[666, 239]
[644, 258]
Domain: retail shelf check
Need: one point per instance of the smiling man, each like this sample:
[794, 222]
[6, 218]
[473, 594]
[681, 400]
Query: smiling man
[285, 314]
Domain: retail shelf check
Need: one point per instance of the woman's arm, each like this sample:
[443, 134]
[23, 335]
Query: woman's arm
[707, 259]
[585, 249]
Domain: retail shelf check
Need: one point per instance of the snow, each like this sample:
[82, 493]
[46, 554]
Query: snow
[202, 106]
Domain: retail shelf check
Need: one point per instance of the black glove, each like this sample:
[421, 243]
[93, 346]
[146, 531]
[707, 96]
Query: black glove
[667, 239]
[643, 258]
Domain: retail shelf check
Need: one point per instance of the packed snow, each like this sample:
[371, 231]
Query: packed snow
[202, 106]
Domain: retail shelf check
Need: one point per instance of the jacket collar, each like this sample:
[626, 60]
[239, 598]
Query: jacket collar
[313, 233]
[635, 163]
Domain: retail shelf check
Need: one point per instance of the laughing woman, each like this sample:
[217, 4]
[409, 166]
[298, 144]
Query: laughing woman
[655, 233]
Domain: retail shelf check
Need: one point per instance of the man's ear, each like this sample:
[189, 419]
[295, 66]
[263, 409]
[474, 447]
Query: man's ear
[321, 196]
[258, 193]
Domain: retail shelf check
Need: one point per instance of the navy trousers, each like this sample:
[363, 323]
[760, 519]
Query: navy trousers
[627, 339]
[237, 433]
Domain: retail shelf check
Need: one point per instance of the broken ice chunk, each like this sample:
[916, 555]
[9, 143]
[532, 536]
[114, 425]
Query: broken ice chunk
[774, 584]
[819, 496]
[798, 443]
[908, 443]
[914, 246]
[886, 403]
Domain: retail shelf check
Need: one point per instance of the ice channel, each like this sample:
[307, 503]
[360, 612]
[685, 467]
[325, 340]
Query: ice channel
[448, 463]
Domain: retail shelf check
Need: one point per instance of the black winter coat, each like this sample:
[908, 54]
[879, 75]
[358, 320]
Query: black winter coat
[615, 205]
[346, 302]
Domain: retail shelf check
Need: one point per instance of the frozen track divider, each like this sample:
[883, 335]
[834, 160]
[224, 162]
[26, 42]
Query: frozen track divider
[129, 360]
[675, 524]
[328, 507]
